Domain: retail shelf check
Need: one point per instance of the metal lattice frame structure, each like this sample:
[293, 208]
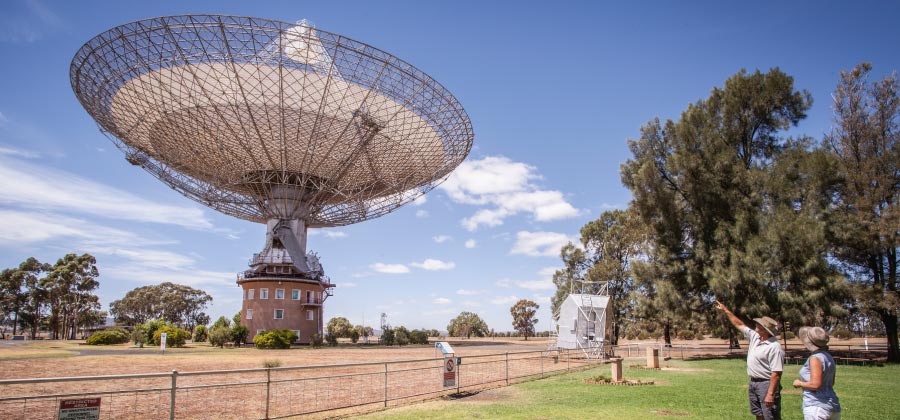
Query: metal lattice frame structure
[265, 120]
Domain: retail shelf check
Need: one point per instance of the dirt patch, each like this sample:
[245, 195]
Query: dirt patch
[675, 369]
[669, 413]
[626, 382]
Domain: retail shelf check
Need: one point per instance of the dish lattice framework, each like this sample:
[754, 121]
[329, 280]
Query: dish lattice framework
[249, 116]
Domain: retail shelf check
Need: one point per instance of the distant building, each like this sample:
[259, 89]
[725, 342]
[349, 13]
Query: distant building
[585, 323]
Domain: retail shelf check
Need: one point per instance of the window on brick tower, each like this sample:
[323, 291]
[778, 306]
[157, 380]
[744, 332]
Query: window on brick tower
[279, 314]
[309, 296]
[295, 294]
[250, 294]
[263, 293]
[279, 293]
[249, 313]
[310, 315]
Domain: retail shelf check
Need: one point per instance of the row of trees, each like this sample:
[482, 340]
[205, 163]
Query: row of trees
[59, 296]
[62, 298]
[725, 207]
[180, 305]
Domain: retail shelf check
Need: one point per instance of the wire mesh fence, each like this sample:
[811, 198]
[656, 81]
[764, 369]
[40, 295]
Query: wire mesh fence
[279, 392]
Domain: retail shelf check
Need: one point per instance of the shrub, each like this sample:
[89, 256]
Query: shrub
[316, 340]
[238, 334]
[139, 335]
[175, 337]
[270, 363]
[200, 334]
[354, 336]
[643, 335]
[685, 335]
[150, 327]
[842, 333]
[275, 339]
[401, 336]
[629, 335]
[789, 335]
[331, 339]
[108, 336]
[219, 335]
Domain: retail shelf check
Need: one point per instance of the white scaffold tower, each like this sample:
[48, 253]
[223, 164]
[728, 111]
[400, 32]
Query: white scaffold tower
[581, 321]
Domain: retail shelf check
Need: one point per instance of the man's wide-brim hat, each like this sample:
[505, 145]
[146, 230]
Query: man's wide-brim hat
[768, 324]
[814, 338]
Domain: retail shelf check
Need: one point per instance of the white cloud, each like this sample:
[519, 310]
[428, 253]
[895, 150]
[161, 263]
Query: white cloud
[539, 244]
[420, 201]
[34, 227]
[504, 300]
[441, 301]
[541, 300]
[187, 276]
[421, 214]
[390, 268]
[359, 275]
[12, 151]
[434, 265]
[470, 303]
[504, 283]
[335, 234]
[536, 284]
[348, 284]
[548, 272]
[468, 292]
[471, 244]
[440, 312]
[508, 188]
[441, 238]
[44, 188]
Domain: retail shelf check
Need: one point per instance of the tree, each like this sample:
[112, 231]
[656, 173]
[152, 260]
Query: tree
[20, 297]
[575, 266]
[387, 335]
[701, 184]
[175, 303]
[523, 314]
[611, 243]
[865, 142]
[364, 331]
[339, 327]
[69, 286]
[467, 324]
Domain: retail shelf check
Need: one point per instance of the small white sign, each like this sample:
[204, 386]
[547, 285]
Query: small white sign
[449, 371]
[162, 341]
[444, 347]
[80, 409]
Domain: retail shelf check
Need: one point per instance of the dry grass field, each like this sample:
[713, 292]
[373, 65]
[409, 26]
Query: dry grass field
[50, 358]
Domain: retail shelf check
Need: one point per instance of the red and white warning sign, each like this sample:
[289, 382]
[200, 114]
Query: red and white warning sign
[80, 409]
[449, 371]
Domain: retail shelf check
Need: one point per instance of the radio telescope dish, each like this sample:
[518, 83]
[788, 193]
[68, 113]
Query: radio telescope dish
[262, 119]
[272, 122]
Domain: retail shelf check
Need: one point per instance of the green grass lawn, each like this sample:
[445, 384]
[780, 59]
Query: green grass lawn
[710, 389]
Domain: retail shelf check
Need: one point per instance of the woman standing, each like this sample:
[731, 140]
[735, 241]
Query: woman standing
[817, 377]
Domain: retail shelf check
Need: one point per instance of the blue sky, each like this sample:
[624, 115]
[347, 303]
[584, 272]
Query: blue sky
[553, 91]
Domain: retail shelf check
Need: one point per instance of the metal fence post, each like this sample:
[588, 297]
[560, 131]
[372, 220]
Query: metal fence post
[541, 355]
[385, 384]
[268, 386]
[458, 376]
[172, 396]
[567, 360]
[507, 368]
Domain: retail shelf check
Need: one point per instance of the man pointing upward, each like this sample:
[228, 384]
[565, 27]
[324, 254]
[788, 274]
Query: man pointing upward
[765, 362]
